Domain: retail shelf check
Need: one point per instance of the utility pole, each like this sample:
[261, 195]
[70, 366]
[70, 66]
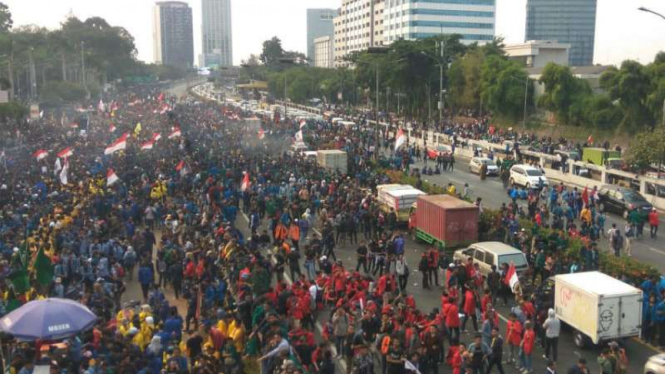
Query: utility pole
[441, 55]
[32, 74]
[10, 68]
[526, 93]
[83, 80]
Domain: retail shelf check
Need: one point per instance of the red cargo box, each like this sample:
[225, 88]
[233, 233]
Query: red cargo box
[446, 219]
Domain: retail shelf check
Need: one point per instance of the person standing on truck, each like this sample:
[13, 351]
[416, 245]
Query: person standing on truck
[552, 328]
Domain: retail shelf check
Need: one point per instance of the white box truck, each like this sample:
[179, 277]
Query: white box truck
[399, 197]
[333, 160]
[598, 307]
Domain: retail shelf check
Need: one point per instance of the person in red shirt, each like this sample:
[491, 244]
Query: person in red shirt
[457, 361]
[653, 223]
[527, 346]
[513, 336]
[470, 308]
[452, 320]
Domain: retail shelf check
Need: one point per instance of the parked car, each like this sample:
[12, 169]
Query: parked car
[487, 254]
[527, 176]
[655, 364]
[477, 162]
[621, 200]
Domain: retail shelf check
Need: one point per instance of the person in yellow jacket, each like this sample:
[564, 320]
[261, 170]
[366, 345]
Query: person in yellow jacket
[585, 215]
[125, 314]
[238, 334]
[144, 336]
[124, 327]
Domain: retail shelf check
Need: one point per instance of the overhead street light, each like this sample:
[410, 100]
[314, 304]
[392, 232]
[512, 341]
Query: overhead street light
[643, 9]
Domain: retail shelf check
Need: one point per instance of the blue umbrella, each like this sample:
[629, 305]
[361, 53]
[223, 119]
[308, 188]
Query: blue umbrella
[48, 319]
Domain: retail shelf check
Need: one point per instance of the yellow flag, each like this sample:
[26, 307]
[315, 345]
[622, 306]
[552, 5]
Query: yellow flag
[137, 129]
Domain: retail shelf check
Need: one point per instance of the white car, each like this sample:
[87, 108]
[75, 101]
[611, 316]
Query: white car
[477, 162]
[527, 176]
[655, 364]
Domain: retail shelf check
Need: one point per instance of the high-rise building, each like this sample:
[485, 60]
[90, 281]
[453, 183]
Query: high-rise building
[370, 23]
[565, 21]
[358, 26]
[319, 23]
[216, 33]
[417, 19]
[323, 53]
[173, 34]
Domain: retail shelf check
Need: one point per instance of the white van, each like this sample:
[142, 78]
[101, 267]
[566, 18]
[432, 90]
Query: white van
[487, 254]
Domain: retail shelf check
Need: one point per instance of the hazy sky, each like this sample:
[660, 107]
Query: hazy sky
[622, 31]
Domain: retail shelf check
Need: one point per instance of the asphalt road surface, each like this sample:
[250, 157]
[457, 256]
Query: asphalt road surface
[646, 250]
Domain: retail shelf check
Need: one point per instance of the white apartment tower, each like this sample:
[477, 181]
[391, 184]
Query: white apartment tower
[216, 33]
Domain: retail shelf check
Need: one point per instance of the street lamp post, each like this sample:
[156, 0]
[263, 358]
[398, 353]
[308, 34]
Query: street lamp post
[647, 10]
[526, 94]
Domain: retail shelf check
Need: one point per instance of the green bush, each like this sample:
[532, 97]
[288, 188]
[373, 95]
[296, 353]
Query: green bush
[62, 91]
[14, 110]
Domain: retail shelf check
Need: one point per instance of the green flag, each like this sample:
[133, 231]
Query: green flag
[43, 268]
[20, 281]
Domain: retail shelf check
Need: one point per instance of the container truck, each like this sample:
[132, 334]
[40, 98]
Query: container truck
[599, 156]
[598, 307]
[397, 197]
[444, 220]
[333, 160]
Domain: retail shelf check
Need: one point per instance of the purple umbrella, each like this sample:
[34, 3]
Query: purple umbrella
[48, 319]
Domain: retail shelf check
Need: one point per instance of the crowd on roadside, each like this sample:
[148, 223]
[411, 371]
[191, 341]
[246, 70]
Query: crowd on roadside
[174, 220]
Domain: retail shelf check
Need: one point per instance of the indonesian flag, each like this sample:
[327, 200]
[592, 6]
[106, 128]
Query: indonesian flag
[114, 106]
[245, 182]
[155, 137]
[303, 123]
[64, 172]
[511, 277]
[67, 152]
[147, 145]
[182, 168]
[262, 134]
[585, 196]
[111, 127]
[111, 177]
[589, 140]
[40, 154]
[117, 145]
[175, 134]
[432, 154]
[400, 139]
[160, 97]
[101, 107]
[299, 136]
[165, 108]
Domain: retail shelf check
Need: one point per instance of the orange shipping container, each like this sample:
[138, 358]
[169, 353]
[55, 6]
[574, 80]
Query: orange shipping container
[446, 220]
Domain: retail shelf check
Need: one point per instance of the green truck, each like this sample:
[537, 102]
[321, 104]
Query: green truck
[599, 156]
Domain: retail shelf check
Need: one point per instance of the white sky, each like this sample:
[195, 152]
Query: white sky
[622, 32]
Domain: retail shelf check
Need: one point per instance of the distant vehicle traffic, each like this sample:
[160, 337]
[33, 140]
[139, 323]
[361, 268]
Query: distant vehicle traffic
[621, 200]
[476, 163]
[527, 176]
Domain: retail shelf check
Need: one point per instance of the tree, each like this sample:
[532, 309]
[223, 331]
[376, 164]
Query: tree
[563, 92]
[502, 86]
[6, 21]
[272, 51]
[647, 148]
[630, 85]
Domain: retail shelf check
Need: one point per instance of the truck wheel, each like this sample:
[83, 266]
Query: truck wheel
[581, 340]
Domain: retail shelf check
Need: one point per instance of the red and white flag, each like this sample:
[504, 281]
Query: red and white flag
[400, 139]
[175, 134]
[512, 279]
[40, 154]
[303, 123]
[114, 106]
[101, 107]
[262, 134]
[65, 153]
[299, 137]
[111, 127]
[245, 182]
[118, 145]
[147, 145]
[182, 168]
[589, 140]
[165, 108]
[160, 97]
[155, 137]
[111, 177]
[64, 173]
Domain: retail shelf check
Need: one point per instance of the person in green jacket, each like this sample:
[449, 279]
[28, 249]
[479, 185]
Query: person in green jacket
[539, 266]
[260, 280]
[605, 362]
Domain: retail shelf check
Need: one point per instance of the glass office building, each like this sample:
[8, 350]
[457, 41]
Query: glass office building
[565, 21]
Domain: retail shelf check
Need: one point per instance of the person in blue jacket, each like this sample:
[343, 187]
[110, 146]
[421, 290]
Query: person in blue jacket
[649, 318]
[146, 278]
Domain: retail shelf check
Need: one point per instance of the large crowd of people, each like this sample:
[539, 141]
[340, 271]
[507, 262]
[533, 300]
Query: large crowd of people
[248, 235]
